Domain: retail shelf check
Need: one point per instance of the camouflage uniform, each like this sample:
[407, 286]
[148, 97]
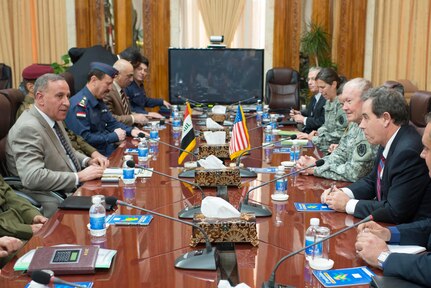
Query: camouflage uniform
[77, 141]
[333, 128]
[353, 158]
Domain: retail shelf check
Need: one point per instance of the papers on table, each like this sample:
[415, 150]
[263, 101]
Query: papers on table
[408, 249]
[344, 277]
[312, 207]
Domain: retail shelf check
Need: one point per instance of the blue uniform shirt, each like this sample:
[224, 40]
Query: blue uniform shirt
[90, 118]
[139, 100]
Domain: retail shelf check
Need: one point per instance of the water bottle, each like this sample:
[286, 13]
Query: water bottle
[128, 174]
[268, 134]
[259, 112]
[310, 238]
[154, 149]
[142, 152]
[176, 122]
[297, 151]
[265, 115]
[177, 136]
[273, 121]
[174, 109]
[154, 132]
[97, 217]
[280, 184]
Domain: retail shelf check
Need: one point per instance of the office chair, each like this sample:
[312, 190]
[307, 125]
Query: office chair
[420, 105]
[282, 89]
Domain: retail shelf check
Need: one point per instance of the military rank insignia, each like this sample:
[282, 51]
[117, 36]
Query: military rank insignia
[83, 102]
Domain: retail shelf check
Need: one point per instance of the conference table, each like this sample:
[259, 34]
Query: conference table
[146, 254]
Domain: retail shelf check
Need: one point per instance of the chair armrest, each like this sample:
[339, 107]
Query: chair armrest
[30, 199]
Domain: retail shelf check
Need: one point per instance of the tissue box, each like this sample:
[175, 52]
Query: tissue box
[220, 151]
[238, 230]
[227, 130]
[218, 177]
[219, 118]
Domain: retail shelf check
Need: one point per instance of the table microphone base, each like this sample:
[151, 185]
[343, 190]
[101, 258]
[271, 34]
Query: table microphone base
[187, 174]
[267, 285]
[189, 212]
[197, 260]
[246, 173]
[258, 210]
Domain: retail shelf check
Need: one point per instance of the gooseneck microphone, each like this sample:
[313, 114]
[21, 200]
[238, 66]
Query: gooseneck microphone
[187, 212]
[263, 211]
[142, 135]
[44, 277]
[189, 100]
[196, 260]
[271, 283]
[244, 100]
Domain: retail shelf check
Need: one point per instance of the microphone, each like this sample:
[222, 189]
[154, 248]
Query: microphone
[263, 211]
[189, 100]
[197, 260]
[187, 212]
[244, 100]
[248, 173]
[45, 277]
[271, 282]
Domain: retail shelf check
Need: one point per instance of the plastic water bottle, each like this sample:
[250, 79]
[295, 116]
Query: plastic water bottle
[97, 217]
[273, 121]
[259, 106]
[174, 109]
[176, 122]
[265, 115]
[128, 174]
[259, 113]
[154, 149]
[280, 184]
[313, 234]
[176, 135]
[142, 152]
[268, 134]
[154, 132]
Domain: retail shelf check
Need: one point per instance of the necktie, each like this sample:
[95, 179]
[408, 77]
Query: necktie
[313, 106]
[67, 147]
[379, 172]
[125, 102]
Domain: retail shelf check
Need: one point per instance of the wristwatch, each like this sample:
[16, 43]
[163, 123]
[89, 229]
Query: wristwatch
[382, 258]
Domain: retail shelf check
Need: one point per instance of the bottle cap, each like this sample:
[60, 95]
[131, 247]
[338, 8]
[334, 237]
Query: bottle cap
[96, 199]
[280, 168]
[315, 221]
[321, 263]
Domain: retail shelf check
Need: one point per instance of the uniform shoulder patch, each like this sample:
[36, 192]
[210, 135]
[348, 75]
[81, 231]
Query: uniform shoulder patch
[361, 149]
[81, 114]
[83, 102]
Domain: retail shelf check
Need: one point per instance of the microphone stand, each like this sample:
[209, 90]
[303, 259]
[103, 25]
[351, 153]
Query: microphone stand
[271, 282]
[263, 211]
[196, 260]
[196, 103]
[187, 212]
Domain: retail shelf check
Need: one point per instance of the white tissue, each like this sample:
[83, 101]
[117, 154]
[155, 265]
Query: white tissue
[215, 137]
[219, 109]
[226, 284]
[211, 162]
[216, 207]
[211, 124]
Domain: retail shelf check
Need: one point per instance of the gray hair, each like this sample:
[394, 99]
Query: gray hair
[390, 101]
[41, 83]
[314, 68]
[360, 84]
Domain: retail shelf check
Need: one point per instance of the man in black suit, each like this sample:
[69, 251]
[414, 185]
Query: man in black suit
[371, 242]
[399, 179]
[314, 116]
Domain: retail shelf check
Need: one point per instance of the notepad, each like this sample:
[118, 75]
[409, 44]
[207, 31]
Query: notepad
[140, 220]
[344, 277]
[408, 249]
[312, 207]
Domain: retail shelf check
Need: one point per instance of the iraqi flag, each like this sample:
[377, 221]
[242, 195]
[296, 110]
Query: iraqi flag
[188, 140]
[240, 140]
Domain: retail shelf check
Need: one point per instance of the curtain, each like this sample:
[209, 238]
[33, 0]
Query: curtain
[221, 17]
[33, 32]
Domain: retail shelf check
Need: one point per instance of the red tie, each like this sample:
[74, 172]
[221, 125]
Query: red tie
[379, 174]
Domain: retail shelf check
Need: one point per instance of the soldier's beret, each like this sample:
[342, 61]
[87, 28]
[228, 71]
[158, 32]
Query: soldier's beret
[34, 71]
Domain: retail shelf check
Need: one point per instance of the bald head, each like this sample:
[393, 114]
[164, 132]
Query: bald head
[125, 73]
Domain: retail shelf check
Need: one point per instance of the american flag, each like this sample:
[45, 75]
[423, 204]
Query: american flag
[240, 140]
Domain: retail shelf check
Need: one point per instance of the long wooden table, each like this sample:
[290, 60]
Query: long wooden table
[146, 255]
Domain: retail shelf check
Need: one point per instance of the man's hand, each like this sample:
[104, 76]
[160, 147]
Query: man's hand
[135, 132]
[90, 173]
[376, 229]
[39, 219]
[369, 246]
[120, 133]
[9, 245]
[140, 118]
[332, 147]
[298, 118]
[99, 161]
[155, 115]
[167, 104]
[305, 161]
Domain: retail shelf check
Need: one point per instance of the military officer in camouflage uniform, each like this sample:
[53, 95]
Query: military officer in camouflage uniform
[29, 75]
[354, 156]
[335, 124]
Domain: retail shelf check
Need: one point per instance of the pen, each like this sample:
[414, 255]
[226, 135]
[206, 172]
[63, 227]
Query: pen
[332, 188]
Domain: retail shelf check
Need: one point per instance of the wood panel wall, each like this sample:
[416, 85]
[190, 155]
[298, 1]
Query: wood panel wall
[89, 17]
[287, 33]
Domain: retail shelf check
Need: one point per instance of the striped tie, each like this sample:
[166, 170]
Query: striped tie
[125, 102]
[67, 147]
[379, 174]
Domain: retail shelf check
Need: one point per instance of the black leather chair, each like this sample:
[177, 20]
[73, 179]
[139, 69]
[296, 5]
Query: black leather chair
[420, 105]
[282, 89]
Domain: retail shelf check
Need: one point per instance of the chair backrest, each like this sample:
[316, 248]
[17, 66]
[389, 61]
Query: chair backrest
[10, 100]
[282, 89]
[70, 81]
[397, 86]
[420, 105]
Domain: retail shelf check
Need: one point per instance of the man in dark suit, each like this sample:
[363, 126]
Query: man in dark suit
[371, 242]
[399, 179]
[314, 116]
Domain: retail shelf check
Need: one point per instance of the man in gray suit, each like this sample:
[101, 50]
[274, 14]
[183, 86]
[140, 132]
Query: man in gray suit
[39, 151]
[117, 100]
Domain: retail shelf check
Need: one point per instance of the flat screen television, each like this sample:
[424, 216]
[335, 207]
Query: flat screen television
[215, 76]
